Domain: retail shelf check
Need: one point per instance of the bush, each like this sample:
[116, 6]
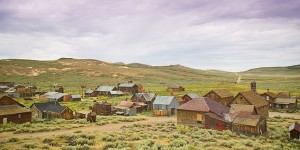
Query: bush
[178, 143]
[13, 139]
[117, 145]
[29, 146]
[183, 129]
[149, 145]
[48, 141]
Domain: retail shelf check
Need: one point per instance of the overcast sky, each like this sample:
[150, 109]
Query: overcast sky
[231, 35]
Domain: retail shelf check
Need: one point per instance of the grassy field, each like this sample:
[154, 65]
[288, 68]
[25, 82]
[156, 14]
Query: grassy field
[162, 136]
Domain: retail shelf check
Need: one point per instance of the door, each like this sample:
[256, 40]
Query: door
[4, 120]
[172, 111]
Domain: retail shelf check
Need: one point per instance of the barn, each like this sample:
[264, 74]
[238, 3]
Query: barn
[252, 98]
[203, 112]
[221, 96]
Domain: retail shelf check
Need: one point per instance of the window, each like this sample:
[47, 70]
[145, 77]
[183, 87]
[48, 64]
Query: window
[19, 116]
[286, 106]
[267, 98]
[199, 118]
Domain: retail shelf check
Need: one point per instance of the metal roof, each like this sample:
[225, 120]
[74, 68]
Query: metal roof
[127, 85]
[165, 100]
[193, 95]
[56, 96]
[105, 88]
[116, 92]
[89, 91]
[76, 96]
[43, 106]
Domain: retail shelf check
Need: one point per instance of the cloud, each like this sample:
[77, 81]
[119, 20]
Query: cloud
[226, 35]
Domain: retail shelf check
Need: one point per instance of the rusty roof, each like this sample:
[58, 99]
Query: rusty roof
[271, 94]
[204, 104]
[222, 93]
[12, 109]
[254, 99]
[126, 104]
[294, 126]
[251, 120]
[239, 107]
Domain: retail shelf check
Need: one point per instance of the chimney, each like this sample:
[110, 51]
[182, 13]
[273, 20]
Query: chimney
[253, 86]
[268, 90]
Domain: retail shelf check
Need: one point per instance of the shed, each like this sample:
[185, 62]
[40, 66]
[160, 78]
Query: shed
[166, 103]
[103, 108]
[252, 98]
[126, 108]
[146, 98]
[14, 114]
[76, 97]
[221, 96]
[294, 130]
[89, 93]
[115, 93]
[56, 97]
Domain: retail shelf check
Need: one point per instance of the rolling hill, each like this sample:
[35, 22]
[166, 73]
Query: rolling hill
[71, 73]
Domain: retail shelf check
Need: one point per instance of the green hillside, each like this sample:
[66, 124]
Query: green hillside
[71, 73]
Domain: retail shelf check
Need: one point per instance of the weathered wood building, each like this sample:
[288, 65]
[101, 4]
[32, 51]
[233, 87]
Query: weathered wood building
[103, 108]
[252, 98]
[126, 108]
[51, 110]
[283, 95]
[187, 97]
[76, 97]
[115, 93]
[89, 93]
[203, 112]
[269, 97]
[104, 90]
[169, 104]
[128, 88]
[287, 104]
[175, 88]
[221, 96]
[294, 130]
[146, 98]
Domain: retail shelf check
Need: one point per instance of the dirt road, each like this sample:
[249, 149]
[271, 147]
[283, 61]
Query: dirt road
[291, 115]
[149, 120]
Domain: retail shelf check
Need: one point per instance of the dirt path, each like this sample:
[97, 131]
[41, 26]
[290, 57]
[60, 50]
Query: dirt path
[291, 115]
[150, 120]
[239, 79]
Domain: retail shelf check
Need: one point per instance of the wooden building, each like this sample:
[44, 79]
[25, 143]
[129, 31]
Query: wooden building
[3, 88]
[13, 111]
[58, 88]
[51, 110]
[21, 91]
[8, 84]
[252, 98]
[287, 104]
[169, 104]
[140, 88]
[146, 98]
[89, 93]
[14, 114]
[235, 108]
[269, 97]
[221, 96]
[115, 93]
[283, 95]
[187, 97]
[126, 108]
[175, 88]
[76, 97]
[203, 112]
[104, 90]
[128, 88]
[294, 130]
[103, 108]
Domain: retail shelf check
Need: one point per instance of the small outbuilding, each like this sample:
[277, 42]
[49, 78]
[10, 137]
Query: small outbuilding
[76, 97]
[165, 104]
[175, 88]
[294, 130]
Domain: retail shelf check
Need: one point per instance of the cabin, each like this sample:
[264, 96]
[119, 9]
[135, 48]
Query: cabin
[128, 88]
[103, 90]
[166, 105]
[146, 98]
[103, 108]
[175, 88]
[246, 123]
[252, 98]
[221, 96]
[51, 110]
[287, 104]
[269, 97]
[13, 111]
[115, 93]
[294, 130]
[187, 97]
[89, 93]
[203, 112]
[126, 108]
[76, 97]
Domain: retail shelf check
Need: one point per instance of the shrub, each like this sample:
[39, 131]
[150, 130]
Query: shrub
[117, 145]
[178, 143]
[46, 140]
[183, 129]
[150, 145]
[29, 146]
[13, 139]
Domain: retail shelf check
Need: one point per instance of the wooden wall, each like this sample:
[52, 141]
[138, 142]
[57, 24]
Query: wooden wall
[190, 117]
[25, 117]
[217, 124]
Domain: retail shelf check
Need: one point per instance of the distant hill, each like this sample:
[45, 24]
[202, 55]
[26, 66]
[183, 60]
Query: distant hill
[71, 73]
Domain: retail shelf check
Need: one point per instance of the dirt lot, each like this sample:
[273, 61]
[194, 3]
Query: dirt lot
[149, 120]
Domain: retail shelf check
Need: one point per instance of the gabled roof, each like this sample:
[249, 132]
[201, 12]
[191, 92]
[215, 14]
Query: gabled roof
[238, 107]
[192, 95]
[89, 91]
[271, 94]
[165, 100]
[283, 95]
[204, 104]
[56, 96]
[222, 93]
[149, 96]
[105, 88]
[127, 85]
[285, 101]
[12, 109]
[294, 126]
[49, 106]
[125, 105]
[15, 102]
[49, 94]
[76, 96]
[254, 99]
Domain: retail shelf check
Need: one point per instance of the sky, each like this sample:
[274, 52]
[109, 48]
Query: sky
[229, 35]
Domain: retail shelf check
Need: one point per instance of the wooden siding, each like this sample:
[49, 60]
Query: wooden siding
[5, 100]
[25, 117]
[225, 101]
[269, 99]
[35, 112]
[129, 90]
[216, 124]
[294, 134]
[192, 118]
[185, 99]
